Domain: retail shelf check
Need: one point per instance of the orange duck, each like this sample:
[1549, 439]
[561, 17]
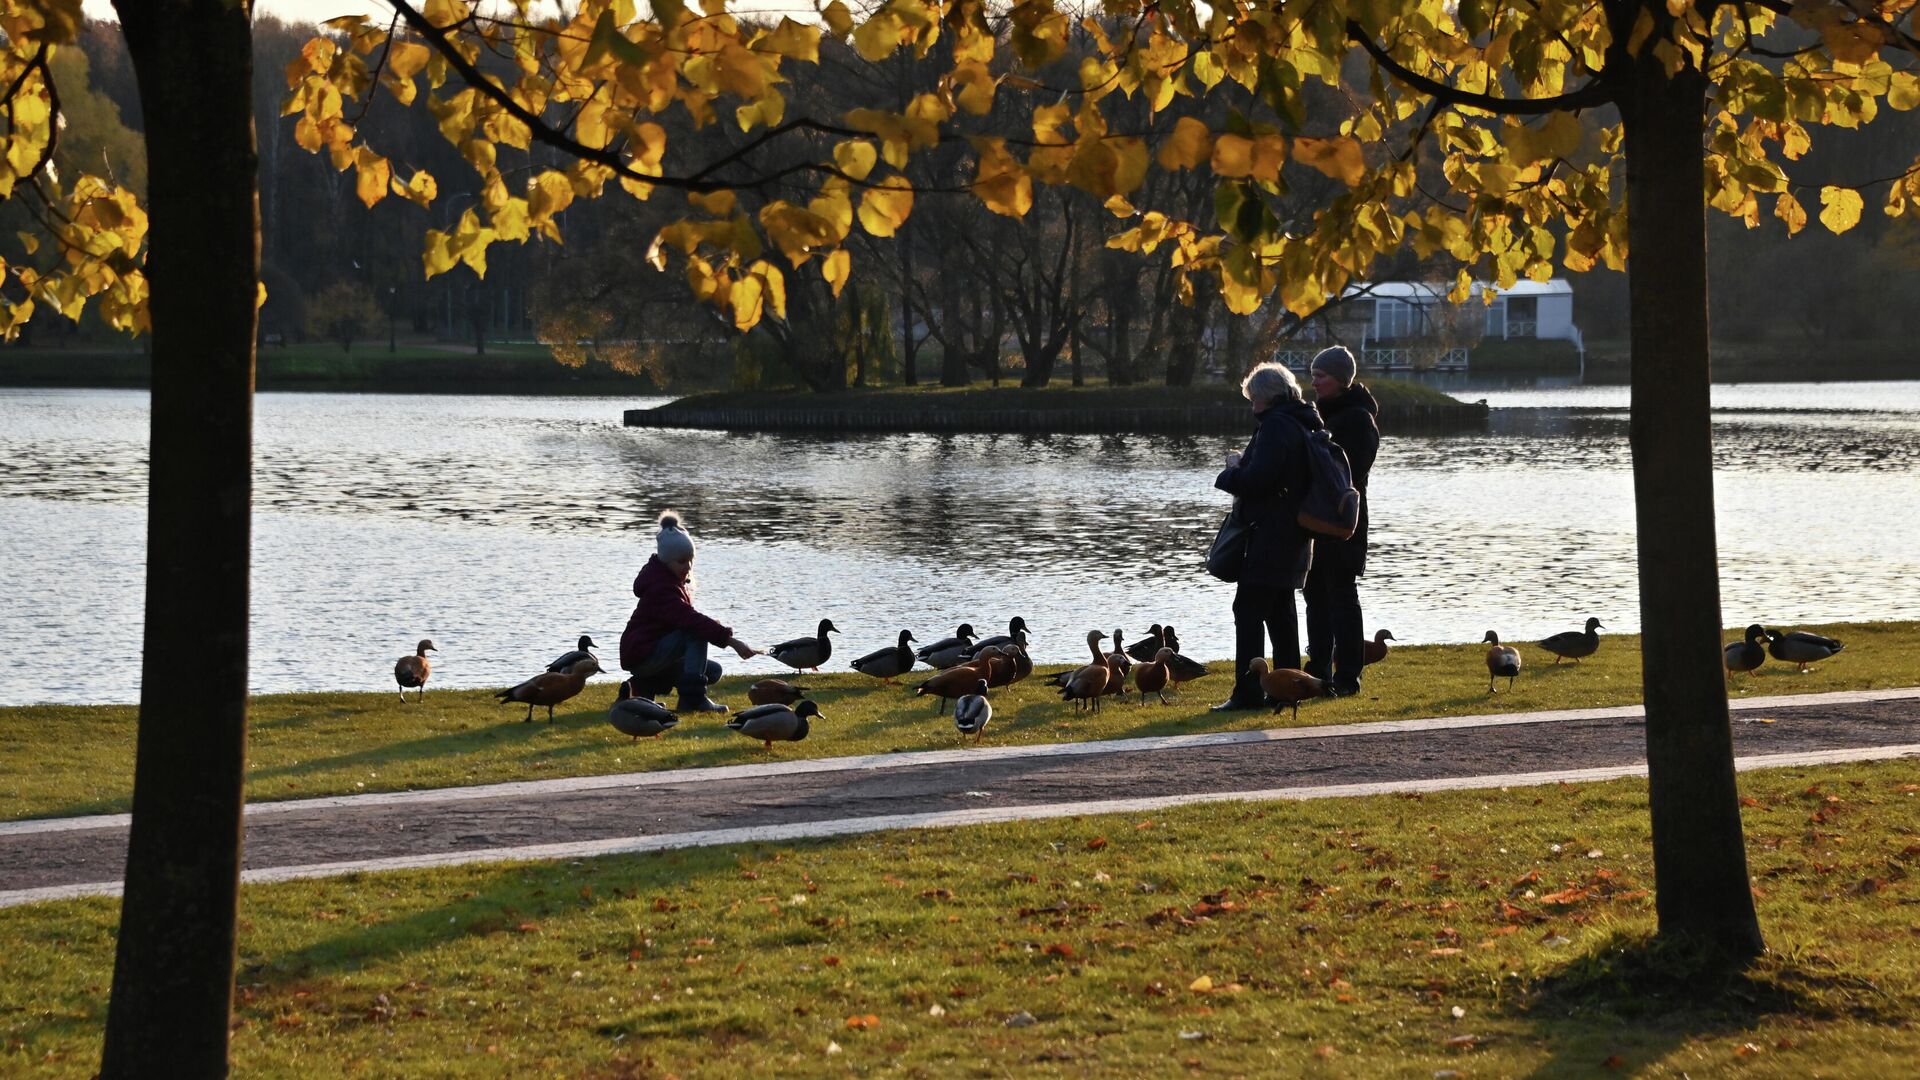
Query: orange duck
[412, 671]
[550, 688]
[1286, 686]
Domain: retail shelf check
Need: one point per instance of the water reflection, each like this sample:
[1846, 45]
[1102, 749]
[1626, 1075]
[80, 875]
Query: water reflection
[516, 523]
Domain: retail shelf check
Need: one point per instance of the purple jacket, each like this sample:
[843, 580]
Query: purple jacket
[663, 608]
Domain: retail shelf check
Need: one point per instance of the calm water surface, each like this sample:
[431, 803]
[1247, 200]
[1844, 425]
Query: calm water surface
[503, 527]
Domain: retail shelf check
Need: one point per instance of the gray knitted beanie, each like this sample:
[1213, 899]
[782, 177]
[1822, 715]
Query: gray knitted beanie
[1336, 362]
[673, 543]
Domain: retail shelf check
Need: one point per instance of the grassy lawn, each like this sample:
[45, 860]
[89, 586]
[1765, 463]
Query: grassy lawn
[1468, 934]
[61, 760]
[1095, 395]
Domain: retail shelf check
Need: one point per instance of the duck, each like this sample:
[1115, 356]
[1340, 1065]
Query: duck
[1802, 647]
[638, 716]
[1286, 686]
[1376, 650]
[954, 682]
[971, 713]
[1502, 661]
[1016, 635]
[1147, 647]
[774, 692]
[1151, 676]
[1117, 668]
[884, 664]
[776, 723]
[1087, 685]
[1001, 670]
[948, 651]
[580, 652]
[1749, 654]
[1168, 638]
[1182, 669]
[412, 671]
[1118, 654]
[807, 652]
[1022, 663]
[1574, 644]
[550, 688]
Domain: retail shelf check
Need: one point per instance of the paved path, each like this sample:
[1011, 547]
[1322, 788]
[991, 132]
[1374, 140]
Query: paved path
[836, 796]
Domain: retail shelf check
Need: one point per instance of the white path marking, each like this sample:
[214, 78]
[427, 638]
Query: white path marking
[811, 830]
[711, 774]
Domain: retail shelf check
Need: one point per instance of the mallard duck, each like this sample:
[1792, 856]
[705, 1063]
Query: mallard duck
[954, 682]
[1016, 635]
[412, 671]
[638, 716]
[1286, 686]
[566, 660]
[971, 713]
[550, 688]
[1181, 669]
[1747, 655]
[1574, 644]
[1376, 650]
[774, 692]
[948, 651]
[1801, 647]
[884, 664]
[1151, 676]
[807, 652]
[775, 723]
[1502, 661]
[1147, 647]
[1170, 639]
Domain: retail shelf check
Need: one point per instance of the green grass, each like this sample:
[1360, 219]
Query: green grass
[1532, 356]
[1475, 934]
[1390, 392]
[62, 760]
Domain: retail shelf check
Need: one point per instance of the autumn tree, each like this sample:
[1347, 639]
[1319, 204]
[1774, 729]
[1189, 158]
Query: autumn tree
[344, 312]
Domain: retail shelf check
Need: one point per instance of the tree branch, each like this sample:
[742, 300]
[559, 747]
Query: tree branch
[1592, 94]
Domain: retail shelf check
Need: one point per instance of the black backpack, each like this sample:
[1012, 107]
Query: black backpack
[1330, 507]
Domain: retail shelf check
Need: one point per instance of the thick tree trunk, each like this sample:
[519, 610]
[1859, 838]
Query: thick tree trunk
[1699, 853]
[173, 973]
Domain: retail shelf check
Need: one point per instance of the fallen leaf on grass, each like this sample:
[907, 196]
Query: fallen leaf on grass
[833, 1047]
[1192, 1035]
[862, 1023]
[1747, 1050]
[1020, 1019]
[830, 961]
[1096, 843]
[1463, 1042]
[1060, 949]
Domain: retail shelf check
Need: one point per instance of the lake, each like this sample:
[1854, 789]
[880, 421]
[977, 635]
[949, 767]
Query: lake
[504, 527]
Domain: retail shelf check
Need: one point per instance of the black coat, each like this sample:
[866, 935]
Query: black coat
[1352, 419]
[1269, 483]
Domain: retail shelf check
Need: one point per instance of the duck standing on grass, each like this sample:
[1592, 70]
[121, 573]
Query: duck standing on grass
[1574, 644]
[948, 651]
[807, 652]
[665, 643]
[1802, 647]
[776, 723]
[1503, 661]
[884, 664]
[412, 671]
[971, 713]
[550, 688]
[639, 716]
[1749, 654]
[1287, 686]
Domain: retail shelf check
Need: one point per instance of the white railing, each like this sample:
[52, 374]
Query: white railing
[1522, 328]
[1389, 358]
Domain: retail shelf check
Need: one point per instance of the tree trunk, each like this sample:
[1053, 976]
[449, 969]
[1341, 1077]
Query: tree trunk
[173, 972]
[1699, 853]
[909, 345]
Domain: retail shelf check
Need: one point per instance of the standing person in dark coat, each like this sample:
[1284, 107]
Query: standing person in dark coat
[1268, 481]
[1335, 638]
[665, 643]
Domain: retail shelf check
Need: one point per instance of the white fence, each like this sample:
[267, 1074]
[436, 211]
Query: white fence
[1389, 358]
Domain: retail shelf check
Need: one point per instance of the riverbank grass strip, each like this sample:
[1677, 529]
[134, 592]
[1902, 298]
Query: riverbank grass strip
[1487, 933]
[61, 761]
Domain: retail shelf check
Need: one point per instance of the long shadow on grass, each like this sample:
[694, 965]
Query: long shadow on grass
[1656, 996]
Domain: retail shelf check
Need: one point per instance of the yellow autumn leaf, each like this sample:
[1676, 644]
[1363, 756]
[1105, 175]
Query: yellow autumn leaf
[1339, 157]
[796, 41]
[406, 58]
[835, 268]
[1842, 208]
[1201, 985]
[973, 88]
[1233, 155]
[420, 191]
[999, 181]
[1189, 146]
[372, 175]
[1788, 209]
[855, 158]
[839, 20]
[717, 203]
[883, 209]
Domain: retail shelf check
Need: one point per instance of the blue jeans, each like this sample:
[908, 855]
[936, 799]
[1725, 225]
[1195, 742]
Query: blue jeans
[680, 657]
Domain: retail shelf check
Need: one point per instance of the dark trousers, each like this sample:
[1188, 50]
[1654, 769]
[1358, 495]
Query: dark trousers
[679, 656]
[1336, 644]
[1261, 612]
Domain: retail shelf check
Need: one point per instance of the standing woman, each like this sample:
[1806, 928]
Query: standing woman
[1269, 479]
[665, 643]
[1336, 642]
